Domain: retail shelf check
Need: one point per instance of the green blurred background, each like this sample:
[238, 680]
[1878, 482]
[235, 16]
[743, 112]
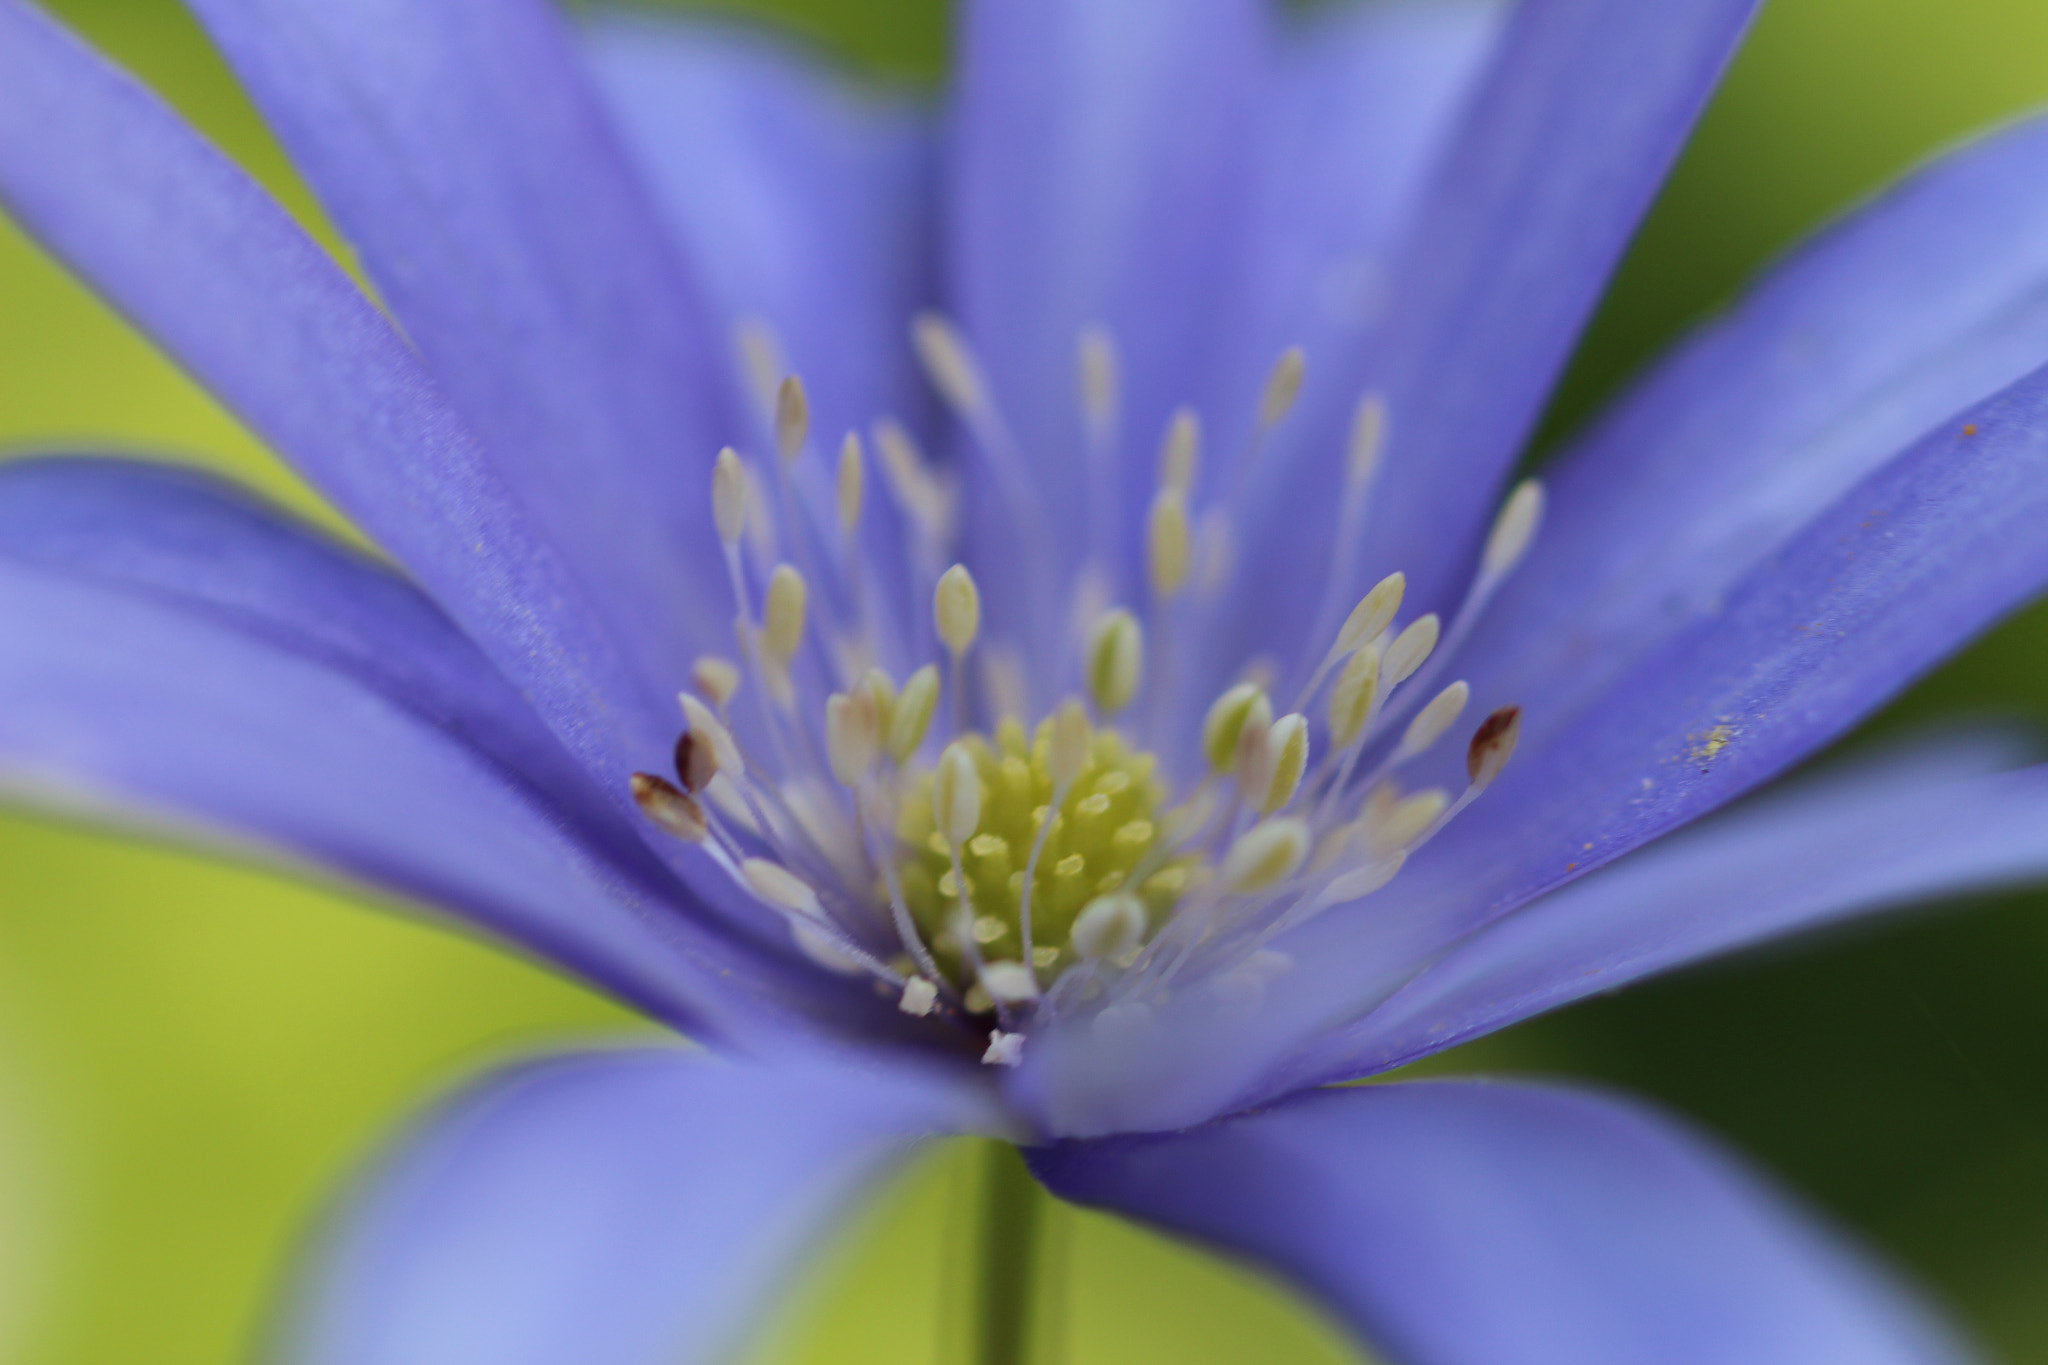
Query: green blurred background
[191, 1054]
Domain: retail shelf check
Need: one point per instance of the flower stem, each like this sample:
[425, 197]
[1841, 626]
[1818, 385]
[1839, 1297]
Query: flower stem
[1009, 1259]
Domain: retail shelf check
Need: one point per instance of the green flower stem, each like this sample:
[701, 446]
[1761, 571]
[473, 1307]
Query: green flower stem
[1007, 1281]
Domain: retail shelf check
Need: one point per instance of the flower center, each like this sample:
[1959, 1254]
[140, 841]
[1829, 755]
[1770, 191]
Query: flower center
[993, 875]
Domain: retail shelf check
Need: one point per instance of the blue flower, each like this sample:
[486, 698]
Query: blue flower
[1157, 709]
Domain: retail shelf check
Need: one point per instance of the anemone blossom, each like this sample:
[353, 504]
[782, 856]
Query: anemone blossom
[1122, 695]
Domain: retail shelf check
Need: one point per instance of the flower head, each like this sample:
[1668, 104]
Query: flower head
[1122, 690]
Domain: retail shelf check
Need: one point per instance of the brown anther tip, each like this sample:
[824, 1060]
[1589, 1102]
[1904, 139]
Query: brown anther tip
[668, 806]
[1492, 744]
[696, 762]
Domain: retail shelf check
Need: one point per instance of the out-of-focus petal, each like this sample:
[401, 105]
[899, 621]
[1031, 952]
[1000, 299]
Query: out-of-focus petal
[1098, 172]
[625, 1208]
[1860, 842]
[1921, 302]
[1469, 1224]
[1566, 138]
[208, 264]
[460, 148]
[179, 656]
[804, 202]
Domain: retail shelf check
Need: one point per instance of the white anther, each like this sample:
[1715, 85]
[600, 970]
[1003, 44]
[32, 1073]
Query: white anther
[1513, 529]
[673, 810]
[949, 363]
[1363, 881]
[1067, 754]
[1098, 372]
[781, 888]
[1215, 551]
[782, 630]
[1116, 661]
[1286, 759]
[1408, 651]
[922, 495]
[956, 795]
[1283, 386]
[919, 997]
[705, 726]
[1373, 614]
[792, 418]
[1180, 451]
[853, 481]
[717, 678]
[760, 354]
[1225, 719]
[1250, 765]
[826, 950]
[1004, 1049]
[911, 715]
[1432, 720]
[1493, 744]
[1009, 983]
[1351, 700]
[1166, 543]
[1398, 824]
[1265, 855]
[956, 608]
[853, 734]
[729, 496]
[1109, 927]
[1368, 440]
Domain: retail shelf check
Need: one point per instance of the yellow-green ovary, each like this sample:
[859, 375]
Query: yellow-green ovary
[1106, 831]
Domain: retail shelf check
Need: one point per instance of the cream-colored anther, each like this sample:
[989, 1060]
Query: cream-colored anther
[852, 481]
[919, 997]
[828, 950]
[956, 608]
[1265, 855]
[920, 492]
[1493, 744]
[1004, 1049]
[1351, 700]
[792, 418]
[1167, 539]
[1400, 824]
[1225, 719]
[1181, 451]
[1368, 439]
[877, 683]
[781, 888]
[1513, 529]
[1109, 927]
[956, 795]
[1008, 982]
[707, 727]
[1408, 651]
[949, 363]
[1286, 760]
[1116, 661]
[782, 628]
[1097, 359]
[1373, 614]
[667, 806]
[717, 678]
[1249, 758]
[1432, 720]
[1283, 386]
[729, 496]
[1067, 754]
[911, 714]
[1363, 881]
[853, 734]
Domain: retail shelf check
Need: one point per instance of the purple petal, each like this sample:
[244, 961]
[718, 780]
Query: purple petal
[1566, 140]
[1925, 300]
[1857, 843]
[460, 149]
[625, 1208]
[804, 202]
[1101, 153]
[181, 656]
[208, 264]
[1467, 1224]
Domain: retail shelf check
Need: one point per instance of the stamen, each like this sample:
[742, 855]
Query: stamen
[1283, 386]
[729, 496]
[1513, 530]
[1004, 1049]
[956, 609]
[760, 354]
[1226, 720]
[696, 761]
[1284, 762]
[1116, 661]
[1408, 651]
[1099, 382]
[1265, 855]
[853, 738]
[1180, 451]
[1368, 442]
[1008, 982]
[782, 630]
[1355, 697]
[1393, 827]
[1493, 744]
[709, 728]
[951, 366]
[781, 888]
[673, 810]
[920, 996]
[1167, 549]
[920, 493]
[1109, 927]
[1432, 720]
[718, 679]
[792, 418]
[956, 796]
[1373, 614]
[911, 714]
[852, 482]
